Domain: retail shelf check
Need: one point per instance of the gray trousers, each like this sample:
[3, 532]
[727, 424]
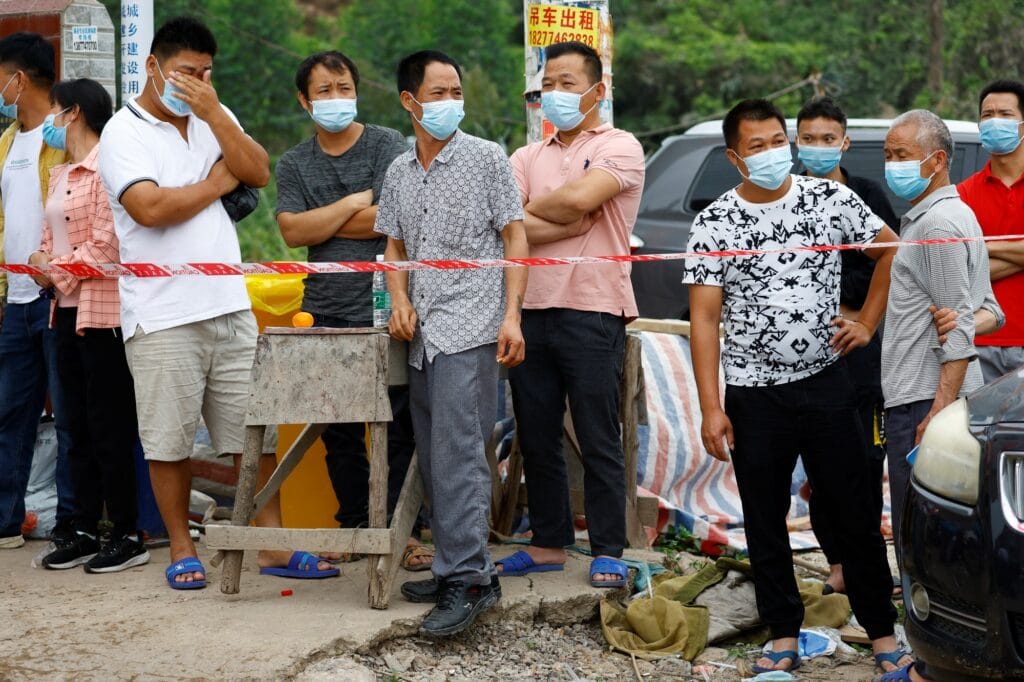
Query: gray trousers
[998, 360]
[453, 401]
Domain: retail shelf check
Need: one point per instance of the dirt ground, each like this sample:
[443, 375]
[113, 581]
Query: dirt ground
[68, 625]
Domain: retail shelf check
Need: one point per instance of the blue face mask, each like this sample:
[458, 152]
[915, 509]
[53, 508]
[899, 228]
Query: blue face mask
[904, 178]
[441, 118]
[563, 108]
[333, 115]
[769, 169]
[820, 161]
[9, 110]
[176, 106]
[54, 136]
[1000, 135]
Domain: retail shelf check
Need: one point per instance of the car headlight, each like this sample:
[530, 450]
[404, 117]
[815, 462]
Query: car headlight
[949, 457]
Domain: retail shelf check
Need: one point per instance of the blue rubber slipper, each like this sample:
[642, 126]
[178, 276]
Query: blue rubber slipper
[898, 675]
[892, 658]
[522, 563]
[187, 565]
[604, 564]
[777, 657]
[301, 565]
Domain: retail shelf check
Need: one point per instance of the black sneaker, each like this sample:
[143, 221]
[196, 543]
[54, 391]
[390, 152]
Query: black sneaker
[425, 591]
[72, 549]
[118, 555]
[458, 605]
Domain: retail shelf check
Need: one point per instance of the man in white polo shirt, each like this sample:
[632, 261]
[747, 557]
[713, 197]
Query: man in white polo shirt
[166, 160]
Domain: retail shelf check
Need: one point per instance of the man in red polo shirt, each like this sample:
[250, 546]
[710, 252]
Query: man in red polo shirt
[996, 194]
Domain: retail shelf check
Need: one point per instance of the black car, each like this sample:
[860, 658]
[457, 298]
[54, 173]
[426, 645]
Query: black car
[690, 171]
[963, 538]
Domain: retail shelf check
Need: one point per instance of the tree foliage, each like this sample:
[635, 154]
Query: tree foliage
[676, 61]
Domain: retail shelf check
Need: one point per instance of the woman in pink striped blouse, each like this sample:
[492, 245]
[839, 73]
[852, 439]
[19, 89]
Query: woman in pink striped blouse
[79, 228]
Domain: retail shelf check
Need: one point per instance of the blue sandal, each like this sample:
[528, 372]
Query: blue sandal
[892, 658]
[777, 657]
[187, 565]
[522, 563]
[605, 564]
[898, 675]
[301, 565]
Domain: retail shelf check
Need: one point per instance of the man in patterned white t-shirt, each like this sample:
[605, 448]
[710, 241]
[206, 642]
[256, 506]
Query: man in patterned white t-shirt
[788, 392]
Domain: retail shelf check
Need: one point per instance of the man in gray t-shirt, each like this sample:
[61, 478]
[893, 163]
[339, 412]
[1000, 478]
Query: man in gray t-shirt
[327, 190]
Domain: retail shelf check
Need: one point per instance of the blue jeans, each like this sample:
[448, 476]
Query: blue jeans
[28, 367]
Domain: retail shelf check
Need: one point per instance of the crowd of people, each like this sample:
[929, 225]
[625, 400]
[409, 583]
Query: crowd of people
[807, 371]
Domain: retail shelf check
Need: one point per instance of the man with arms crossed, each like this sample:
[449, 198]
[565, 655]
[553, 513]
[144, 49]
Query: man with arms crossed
[581, 190]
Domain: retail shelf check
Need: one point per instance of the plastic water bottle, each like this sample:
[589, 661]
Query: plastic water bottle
[381, 298]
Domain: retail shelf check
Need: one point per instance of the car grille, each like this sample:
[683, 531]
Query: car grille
[957, 618]
[1012, 477]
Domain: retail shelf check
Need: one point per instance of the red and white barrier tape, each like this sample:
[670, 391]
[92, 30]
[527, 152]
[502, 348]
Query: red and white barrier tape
[115, 270]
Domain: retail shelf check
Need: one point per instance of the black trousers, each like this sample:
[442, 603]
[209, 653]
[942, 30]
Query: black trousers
[864, 365]
[347, 464]
[815, 418]
[99, 397]
[576, 354]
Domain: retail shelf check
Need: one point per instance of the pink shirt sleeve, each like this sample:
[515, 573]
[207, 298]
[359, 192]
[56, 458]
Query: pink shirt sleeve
[518, 161]
[622, 156]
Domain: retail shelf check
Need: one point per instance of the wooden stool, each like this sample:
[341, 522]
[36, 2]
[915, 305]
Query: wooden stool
[318, 377]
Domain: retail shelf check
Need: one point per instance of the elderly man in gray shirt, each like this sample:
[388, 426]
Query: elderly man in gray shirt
[921, 374]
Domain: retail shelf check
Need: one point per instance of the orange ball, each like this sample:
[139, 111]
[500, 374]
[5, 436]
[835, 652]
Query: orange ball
[302, 319]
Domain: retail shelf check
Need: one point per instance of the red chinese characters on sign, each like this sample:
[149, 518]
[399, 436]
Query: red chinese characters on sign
[549, 24]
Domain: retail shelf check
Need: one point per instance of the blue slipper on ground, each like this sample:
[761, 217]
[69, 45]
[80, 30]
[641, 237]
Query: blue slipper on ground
[522, 563]
[604, 564]
[187, 565]
[301, 565]
[777, 657]
[892, 658]
[898, 675]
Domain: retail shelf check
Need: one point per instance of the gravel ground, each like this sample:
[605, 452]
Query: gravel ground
[496, 650]
[538, 651]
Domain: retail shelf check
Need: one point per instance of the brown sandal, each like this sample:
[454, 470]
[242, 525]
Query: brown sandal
[414, 552]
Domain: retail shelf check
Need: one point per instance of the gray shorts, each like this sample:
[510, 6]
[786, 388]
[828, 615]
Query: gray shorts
[202, 368]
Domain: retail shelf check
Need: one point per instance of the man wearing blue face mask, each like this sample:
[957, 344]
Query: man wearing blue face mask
[787, 394]
[996, 195]
[166, 158]
[821, 142]
[919, 379]
[327, 190]
[28, 347]
[453, 196]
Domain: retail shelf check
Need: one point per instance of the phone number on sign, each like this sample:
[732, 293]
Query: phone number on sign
[545, 38]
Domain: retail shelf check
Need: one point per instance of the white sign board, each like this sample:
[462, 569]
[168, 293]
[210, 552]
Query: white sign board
[85, 39]
[136, 39]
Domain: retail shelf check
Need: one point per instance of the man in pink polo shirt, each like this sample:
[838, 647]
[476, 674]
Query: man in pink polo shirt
[581, 190]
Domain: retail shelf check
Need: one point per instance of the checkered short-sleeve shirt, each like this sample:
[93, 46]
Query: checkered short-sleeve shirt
[454, 210]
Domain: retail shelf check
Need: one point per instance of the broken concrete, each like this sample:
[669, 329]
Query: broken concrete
[69, 624]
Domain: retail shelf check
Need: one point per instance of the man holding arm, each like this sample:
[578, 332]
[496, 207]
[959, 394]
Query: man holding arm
[453, 196]
[921, 375]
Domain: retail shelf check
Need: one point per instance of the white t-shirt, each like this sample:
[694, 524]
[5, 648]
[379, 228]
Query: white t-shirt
[136, 146]
[777, 308]
[23, 210]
